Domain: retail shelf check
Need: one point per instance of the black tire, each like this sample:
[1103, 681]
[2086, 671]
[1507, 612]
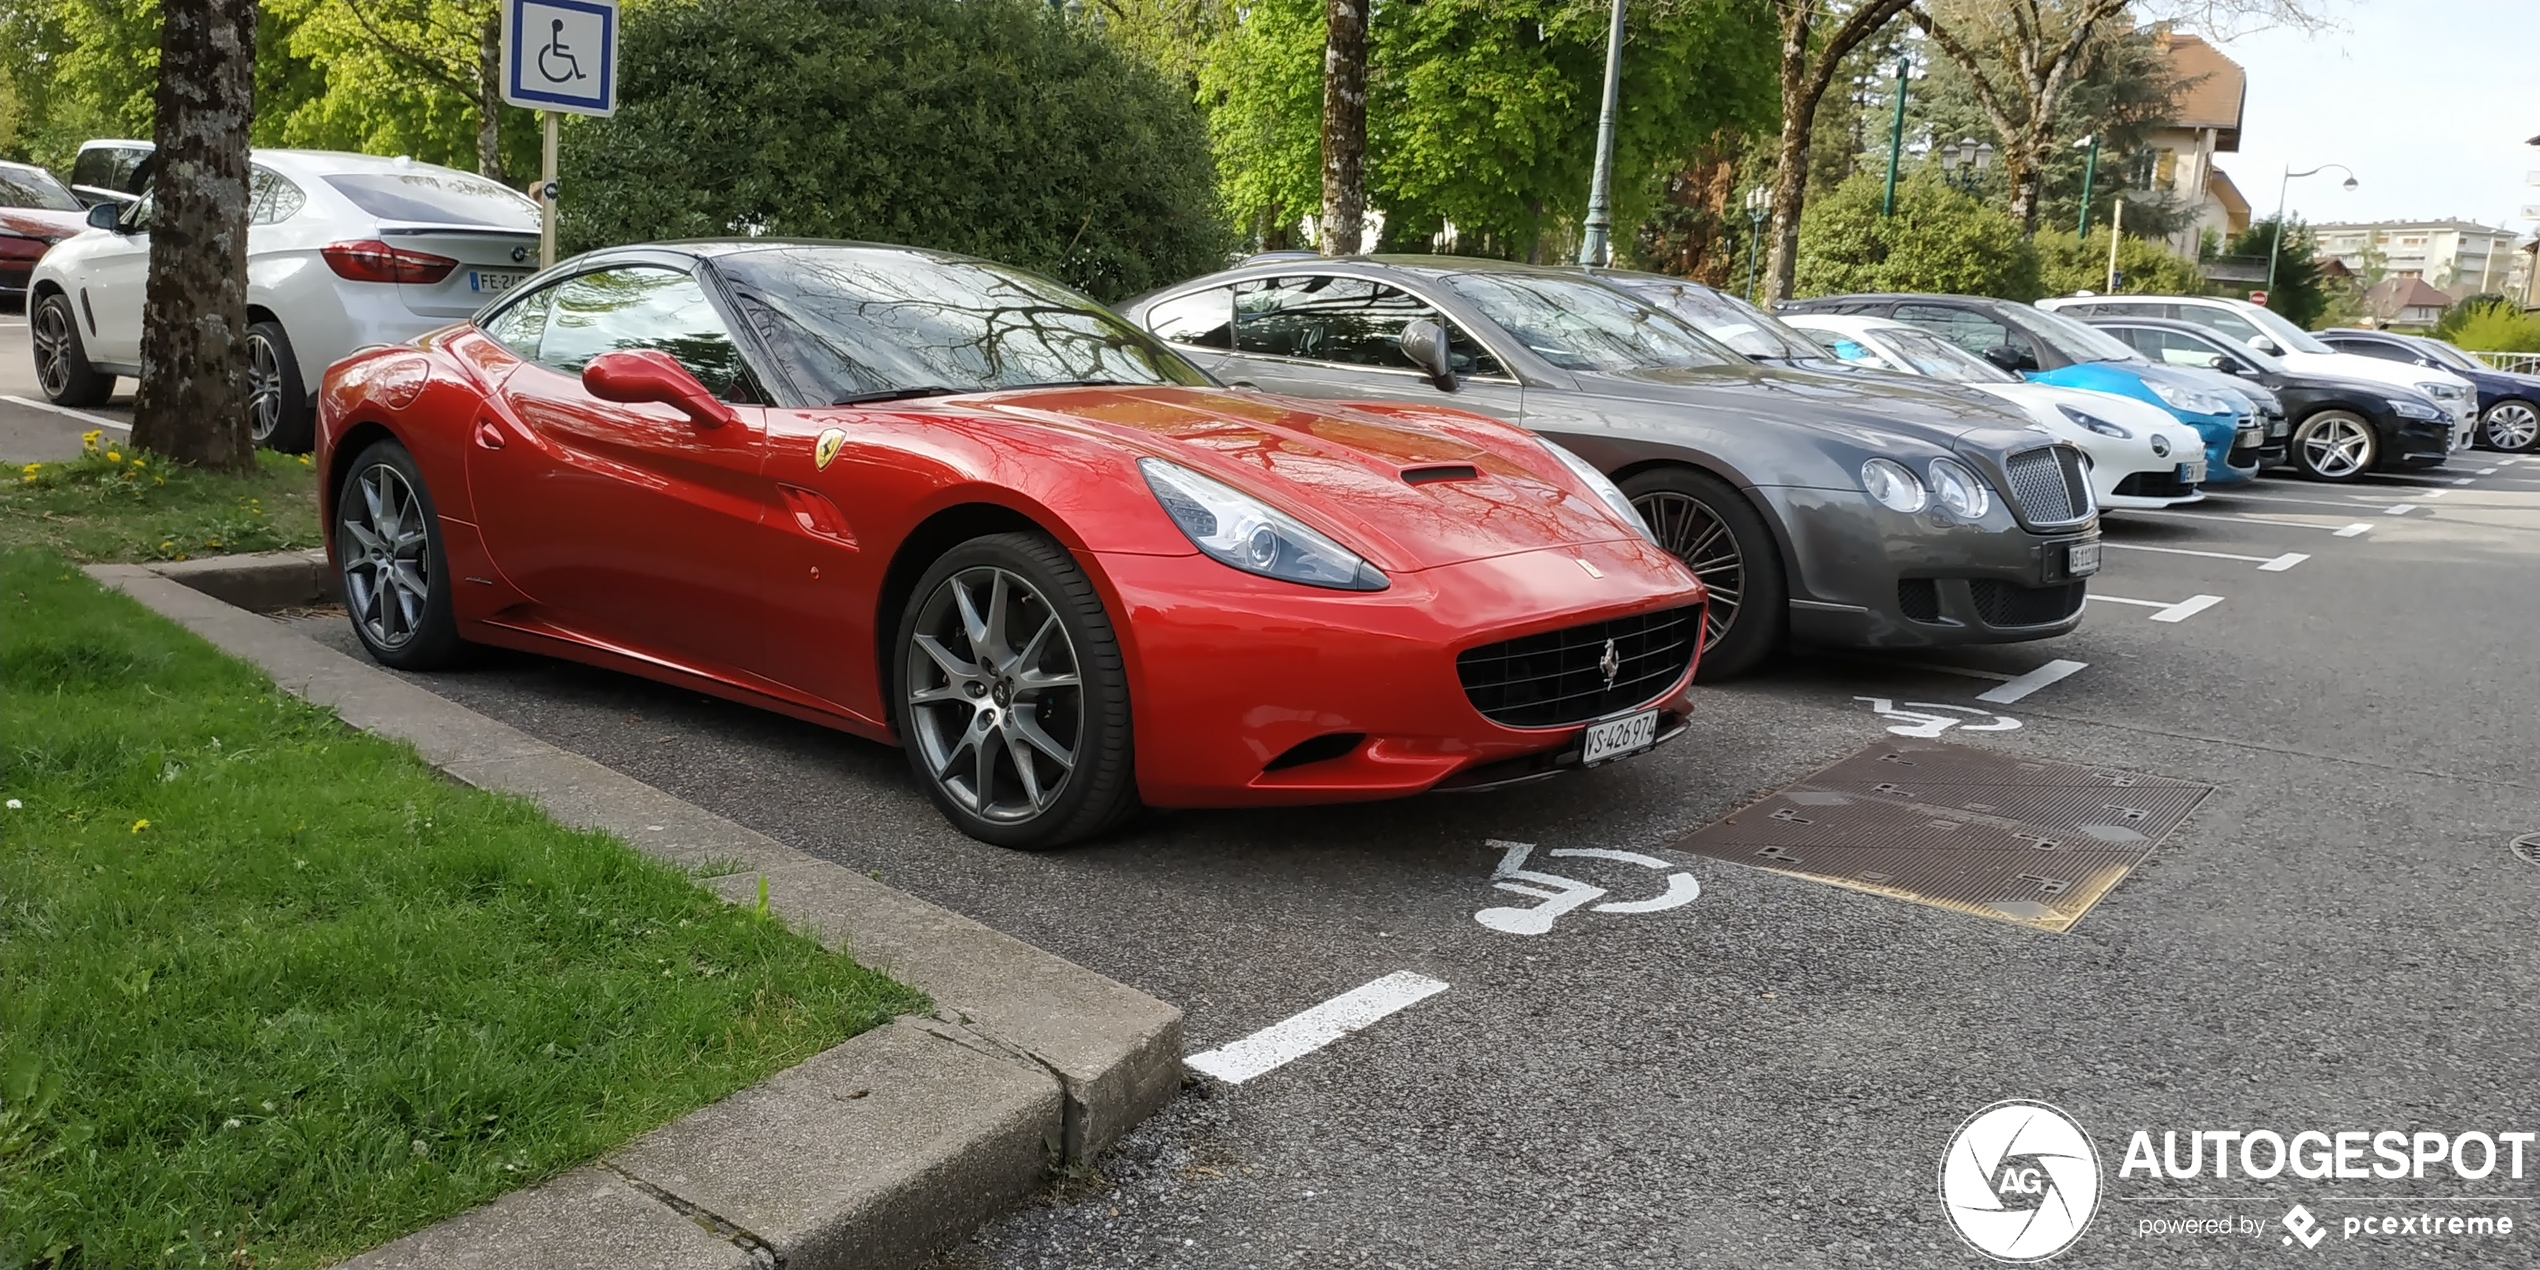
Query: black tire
[1695, 514]
[278, 415]
[61, 360]
[2337, 446]
[401, 624]
[1097, 786]
[2511, 426]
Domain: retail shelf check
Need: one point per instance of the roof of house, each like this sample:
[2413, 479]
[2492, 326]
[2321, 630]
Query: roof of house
[2457, 226]
[2235, 205]
[2393, 296]
[2216, 88]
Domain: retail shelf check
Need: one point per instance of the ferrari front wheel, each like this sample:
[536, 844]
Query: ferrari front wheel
[388, 551]
[1013, 700]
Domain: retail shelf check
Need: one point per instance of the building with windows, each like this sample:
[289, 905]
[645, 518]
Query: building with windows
[2207, 123]
[2458, 257]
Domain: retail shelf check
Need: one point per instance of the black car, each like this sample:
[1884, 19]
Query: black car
[2342, 428]
[1758, 335]
[2508, 403]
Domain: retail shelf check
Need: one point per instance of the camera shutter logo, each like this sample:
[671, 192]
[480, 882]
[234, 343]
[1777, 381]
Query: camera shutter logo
[2020, 1181]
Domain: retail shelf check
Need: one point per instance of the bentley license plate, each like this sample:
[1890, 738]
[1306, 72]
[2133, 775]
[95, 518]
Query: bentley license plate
[1614, 738]
[2081, 559]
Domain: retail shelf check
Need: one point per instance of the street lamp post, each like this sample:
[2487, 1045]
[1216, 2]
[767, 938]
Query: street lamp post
[1896, 139]
[1965, 166]
[2089, 176]
[2275, 246]
[1757, 200]
[1593, 244]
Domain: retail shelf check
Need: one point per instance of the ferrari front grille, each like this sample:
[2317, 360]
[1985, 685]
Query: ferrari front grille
[2047, 485]
[1568, 676]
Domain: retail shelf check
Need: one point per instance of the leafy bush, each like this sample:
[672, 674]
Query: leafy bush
[2490, 324]
[2067, 263]
[994, 127]
[1938, 240]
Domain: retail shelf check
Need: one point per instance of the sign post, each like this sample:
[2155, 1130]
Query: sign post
[559, 57]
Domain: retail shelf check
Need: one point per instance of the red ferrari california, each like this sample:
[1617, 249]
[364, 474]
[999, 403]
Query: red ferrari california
[962, 509]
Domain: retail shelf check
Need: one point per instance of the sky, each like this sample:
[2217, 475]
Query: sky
[2429, 101]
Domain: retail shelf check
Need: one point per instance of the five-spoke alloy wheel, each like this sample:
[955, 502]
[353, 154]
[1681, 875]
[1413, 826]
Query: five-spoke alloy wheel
[1013, 701]
[2334, 445]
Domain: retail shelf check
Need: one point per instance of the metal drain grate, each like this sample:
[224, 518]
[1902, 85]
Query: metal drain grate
[1989, 834]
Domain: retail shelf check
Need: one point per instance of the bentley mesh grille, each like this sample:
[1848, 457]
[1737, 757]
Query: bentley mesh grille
[2048, 486]
[2010, 604]
[1547, 680]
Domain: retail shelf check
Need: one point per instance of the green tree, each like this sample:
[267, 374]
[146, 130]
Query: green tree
[2300, 293]
[1938, 240]
[418, 77]
[994, 127]
[2068, 263]
[2490, 323]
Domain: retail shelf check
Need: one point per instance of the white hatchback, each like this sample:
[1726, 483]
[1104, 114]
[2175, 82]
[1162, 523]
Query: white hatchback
[2140, 455]
[2272, 333]
[344, 251]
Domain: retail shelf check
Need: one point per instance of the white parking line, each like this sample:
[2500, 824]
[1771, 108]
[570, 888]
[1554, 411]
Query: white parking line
[2437, 493]
[2033, 680]
[2296, 500]
[2266, 564]
[1301, 1034]
[2347, 532]
[2169, 612]
[100, 420]
[2354, 529]
[2398, 509]
[2463, 481]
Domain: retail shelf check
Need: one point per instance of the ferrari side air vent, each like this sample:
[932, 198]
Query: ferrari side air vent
[1440, 472]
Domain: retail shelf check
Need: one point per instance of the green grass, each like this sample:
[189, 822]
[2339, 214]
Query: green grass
[116, 503]
[276, 993]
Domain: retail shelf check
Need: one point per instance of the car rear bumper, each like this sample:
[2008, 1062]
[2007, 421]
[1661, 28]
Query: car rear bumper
[1231, 674]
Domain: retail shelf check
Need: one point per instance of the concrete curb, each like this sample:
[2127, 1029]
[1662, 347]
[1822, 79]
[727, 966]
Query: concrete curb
[871, 1154]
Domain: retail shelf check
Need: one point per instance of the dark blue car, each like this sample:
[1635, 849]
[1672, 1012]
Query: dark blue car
[2508, 403]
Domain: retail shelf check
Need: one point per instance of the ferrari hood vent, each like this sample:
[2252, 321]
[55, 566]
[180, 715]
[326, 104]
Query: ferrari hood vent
[1441, 472]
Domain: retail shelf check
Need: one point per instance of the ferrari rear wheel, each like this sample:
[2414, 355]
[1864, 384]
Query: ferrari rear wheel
[1014, 705]
[1704, 522]
[395, 573]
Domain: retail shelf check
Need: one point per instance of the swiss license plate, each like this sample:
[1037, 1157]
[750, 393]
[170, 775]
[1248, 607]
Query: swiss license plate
[492, 282]
[2192, 472]
[2081, 559]
[1614, 738]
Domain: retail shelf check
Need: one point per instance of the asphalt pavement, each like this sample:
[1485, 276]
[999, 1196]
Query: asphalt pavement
[2339, 938]
[33, 430]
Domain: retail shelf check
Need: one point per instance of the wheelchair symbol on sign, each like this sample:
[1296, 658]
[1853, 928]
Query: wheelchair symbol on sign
[1915, 718]
[1562, 895]
[558, 53]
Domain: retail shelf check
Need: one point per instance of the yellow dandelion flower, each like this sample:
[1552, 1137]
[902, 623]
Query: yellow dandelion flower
[139, 825]
[114, 456]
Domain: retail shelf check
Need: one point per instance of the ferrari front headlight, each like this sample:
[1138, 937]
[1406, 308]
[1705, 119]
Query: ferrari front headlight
[1234, 528]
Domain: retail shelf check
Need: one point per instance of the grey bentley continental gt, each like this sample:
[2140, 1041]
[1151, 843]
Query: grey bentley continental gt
[1820, 508]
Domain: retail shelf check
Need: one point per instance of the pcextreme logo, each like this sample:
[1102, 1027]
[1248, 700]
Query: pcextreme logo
[2020, 1181]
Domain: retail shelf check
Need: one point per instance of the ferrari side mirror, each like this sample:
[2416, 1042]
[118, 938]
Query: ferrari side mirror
[1424, 342]
[635, 375]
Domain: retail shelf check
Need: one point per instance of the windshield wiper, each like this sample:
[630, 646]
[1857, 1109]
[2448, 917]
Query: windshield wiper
[1077, 383]
[900, 394]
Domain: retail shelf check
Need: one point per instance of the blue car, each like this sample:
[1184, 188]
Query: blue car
[2508, 403]
[2054, 349]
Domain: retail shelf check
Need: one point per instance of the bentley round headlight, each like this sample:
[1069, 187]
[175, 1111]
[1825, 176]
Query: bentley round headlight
[1894, 485]
[1960, 492]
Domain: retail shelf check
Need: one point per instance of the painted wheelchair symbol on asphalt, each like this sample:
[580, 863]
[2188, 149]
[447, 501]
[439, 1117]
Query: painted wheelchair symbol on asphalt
[1562, 895]
[1914, 718]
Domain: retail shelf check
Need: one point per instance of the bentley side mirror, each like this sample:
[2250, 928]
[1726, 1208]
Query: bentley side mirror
[1424, 342]
[106, 216]
[2009, 358]
[635, 375]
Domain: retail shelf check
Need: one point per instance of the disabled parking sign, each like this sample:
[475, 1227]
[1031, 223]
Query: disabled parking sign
[561, 55]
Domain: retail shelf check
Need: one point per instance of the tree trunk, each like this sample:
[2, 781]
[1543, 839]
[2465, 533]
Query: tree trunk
[489, 98]
[1344, 217]
[1790, 170]
[192, 402]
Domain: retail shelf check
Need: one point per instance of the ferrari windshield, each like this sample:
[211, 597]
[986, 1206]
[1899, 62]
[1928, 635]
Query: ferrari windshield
[1576, 324]
[1928, 354]
[865, 324]
[2077, 342]
[1729, 320]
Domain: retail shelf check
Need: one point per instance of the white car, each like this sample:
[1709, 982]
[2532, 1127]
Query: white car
[2140, 455]
[344, 251]
[2269, 332]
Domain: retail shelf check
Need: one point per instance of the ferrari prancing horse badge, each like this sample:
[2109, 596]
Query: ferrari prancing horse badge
[826, 448]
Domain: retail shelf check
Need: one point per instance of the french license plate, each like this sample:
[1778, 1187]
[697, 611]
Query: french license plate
[1614, 738]
[2192, 472]
[2081, 559]
[492, 282]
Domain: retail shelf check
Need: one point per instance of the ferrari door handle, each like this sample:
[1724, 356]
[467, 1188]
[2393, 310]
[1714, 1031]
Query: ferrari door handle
[488, 435]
